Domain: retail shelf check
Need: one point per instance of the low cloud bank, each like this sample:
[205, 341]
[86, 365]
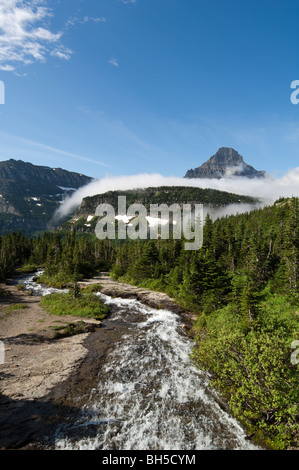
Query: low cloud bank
[268, 189]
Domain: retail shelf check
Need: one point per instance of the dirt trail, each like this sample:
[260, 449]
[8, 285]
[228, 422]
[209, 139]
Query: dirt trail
[34, 363]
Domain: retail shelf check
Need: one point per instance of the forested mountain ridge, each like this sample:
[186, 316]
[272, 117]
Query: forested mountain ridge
[84, 220]
[30, 194]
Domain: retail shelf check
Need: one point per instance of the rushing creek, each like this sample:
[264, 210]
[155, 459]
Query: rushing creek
[148, 395]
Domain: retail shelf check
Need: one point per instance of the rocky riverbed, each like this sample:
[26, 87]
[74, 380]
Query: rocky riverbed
[44, 380]
[153, 299]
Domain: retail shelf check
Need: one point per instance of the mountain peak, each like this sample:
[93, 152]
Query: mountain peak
[227, 154]
[226, 162]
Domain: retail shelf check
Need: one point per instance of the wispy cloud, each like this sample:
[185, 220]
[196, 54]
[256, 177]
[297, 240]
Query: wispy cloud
[74, 20]
[62, 53]
[67, 154]
[267, 189]
[113, 62]
[7, 68]
[115, 127]
[54, 150]
[24, 35]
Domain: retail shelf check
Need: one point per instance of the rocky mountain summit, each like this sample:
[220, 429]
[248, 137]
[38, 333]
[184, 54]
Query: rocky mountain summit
[225, 163]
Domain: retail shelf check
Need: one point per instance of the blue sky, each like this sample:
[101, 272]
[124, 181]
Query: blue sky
[115, 87]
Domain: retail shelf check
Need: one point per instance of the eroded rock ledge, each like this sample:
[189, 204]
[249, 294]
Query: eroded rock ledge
[45, 382]
[153, 299]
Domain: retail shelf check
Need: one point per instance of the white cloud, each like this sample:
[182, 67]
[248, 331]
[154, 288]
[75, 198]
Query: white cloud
[72, 21]
[101, 19]
[62, 53]
[113, 62]
[267, 189]
[7, 68]
[24, 36]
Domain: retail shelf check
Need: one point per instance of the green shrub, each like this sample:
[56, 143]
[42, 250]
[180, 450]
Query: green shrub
[20, 287]
[251, 367]
[278, 313]
[15, 307]
[93, 288]
[85, 305]
[27, 268]
[58, 280]
[69, 330]
[4, 292]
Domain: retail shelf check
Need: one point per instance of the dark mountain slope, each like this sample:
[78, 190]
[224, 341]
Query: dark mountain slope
[30, 194]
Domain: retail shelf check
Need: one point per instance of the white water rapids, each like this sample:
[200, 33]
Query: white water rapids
[149, 395]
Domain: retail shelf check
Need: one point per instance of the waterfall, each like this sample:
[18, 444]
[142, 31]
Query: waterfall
[149, 395]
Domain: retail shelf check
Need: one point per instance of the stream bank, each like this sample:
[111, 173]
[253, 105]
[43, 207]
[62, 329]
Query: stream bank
[153, 299]
[42, 380]
[58, 393]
